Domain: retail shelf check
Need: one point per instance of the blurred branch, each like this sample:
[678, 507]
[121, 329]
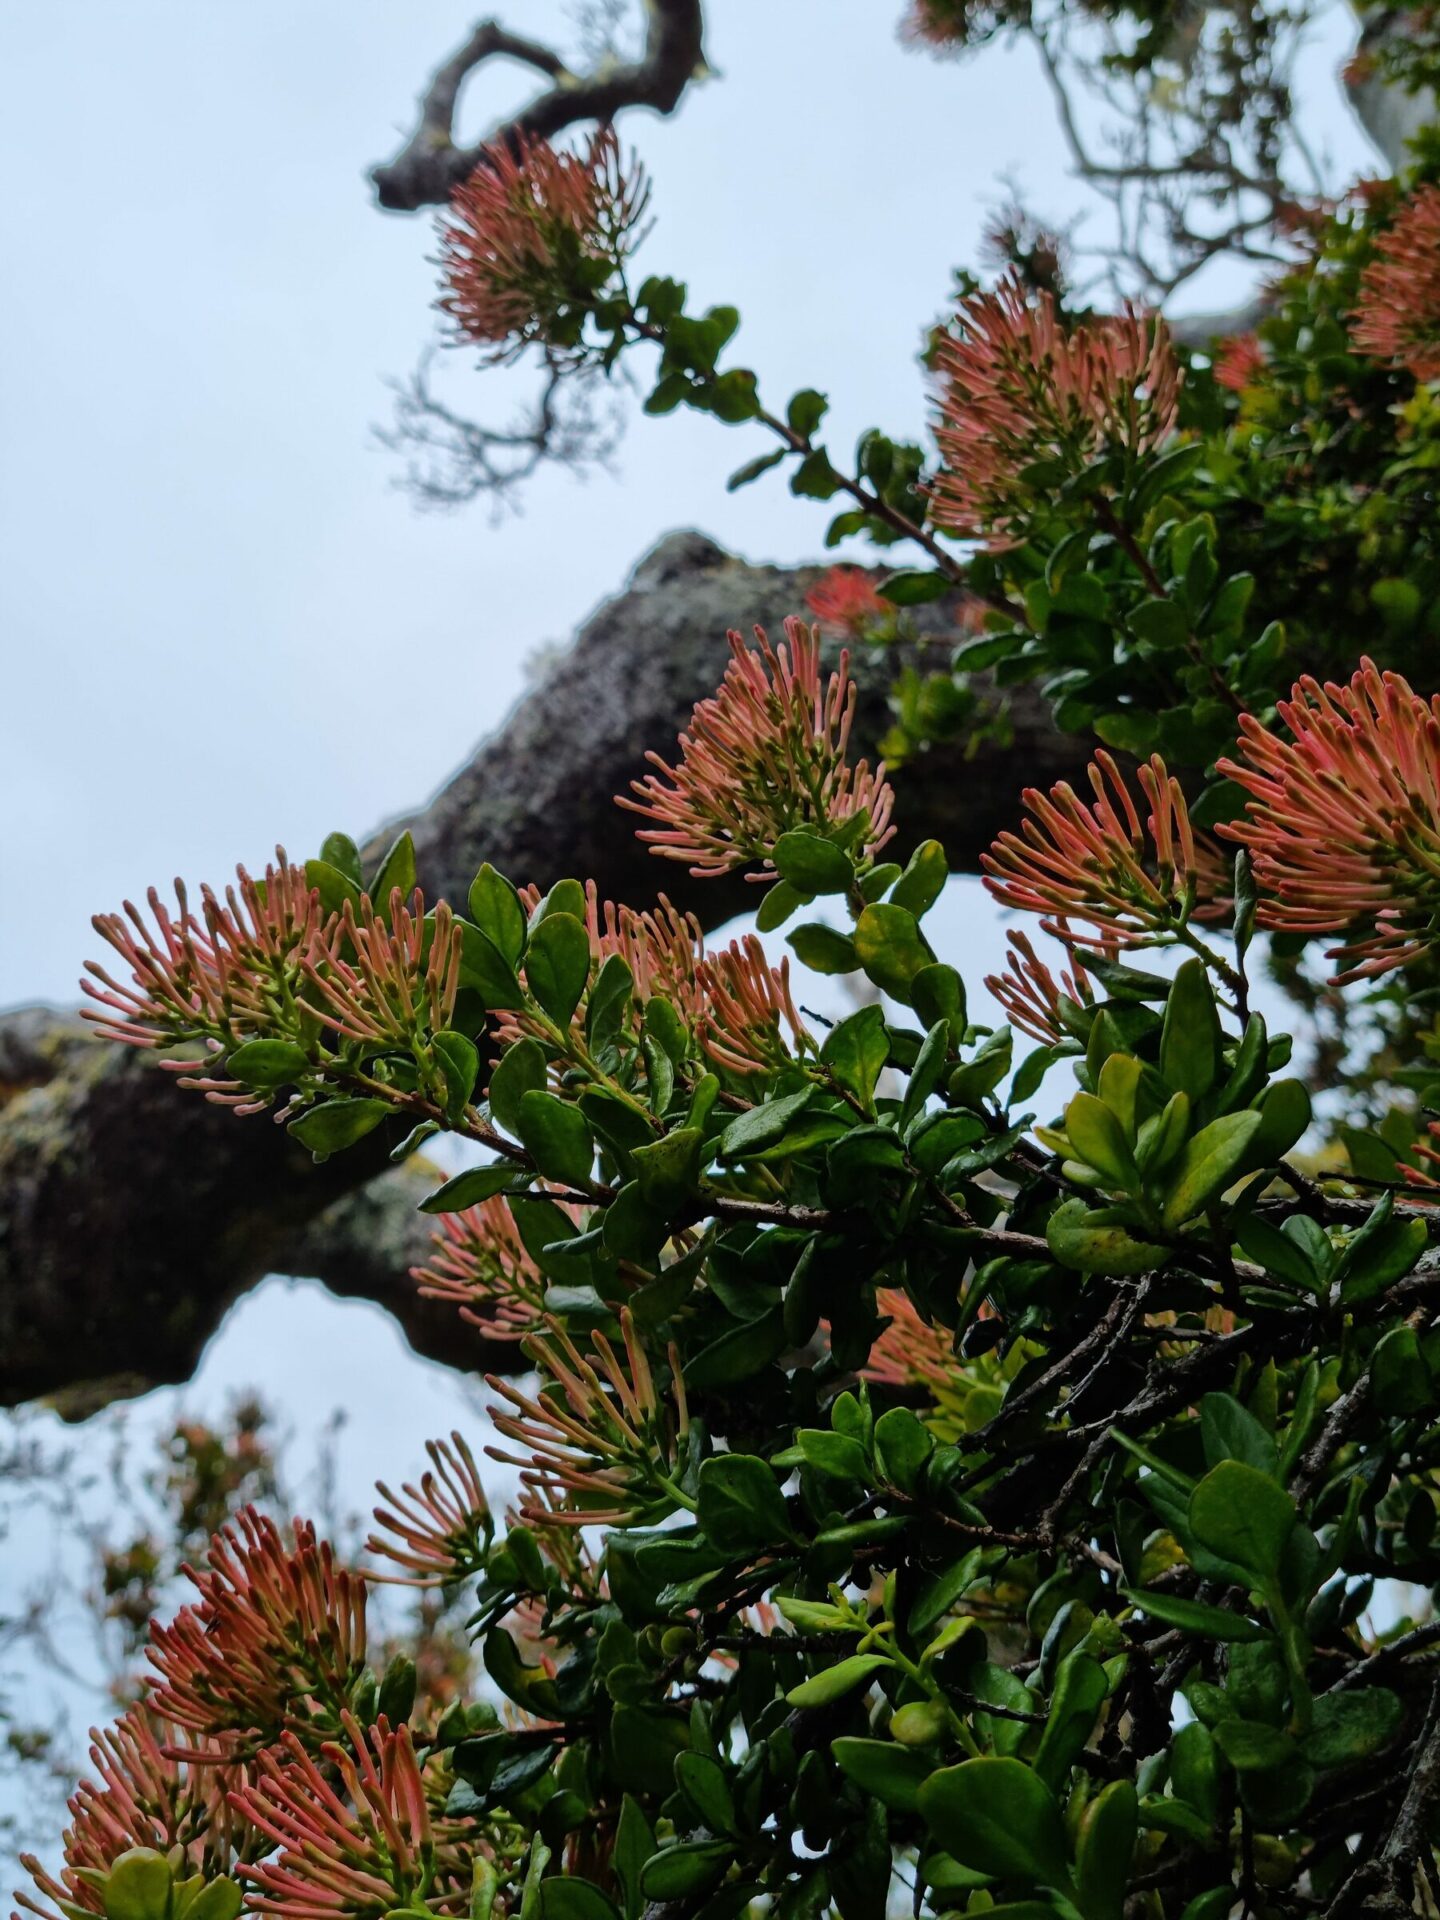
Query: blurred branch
[132, 1214]
[430, 165]
[452, 460]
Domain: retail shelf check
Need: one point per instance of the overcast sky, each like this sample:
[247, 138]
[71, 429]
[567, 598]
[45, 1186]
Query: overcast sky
[221, 625]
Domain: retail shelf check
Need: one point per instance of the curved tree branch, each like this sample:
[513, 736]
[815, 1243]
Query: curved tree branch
[430, 165]
[132, 1214]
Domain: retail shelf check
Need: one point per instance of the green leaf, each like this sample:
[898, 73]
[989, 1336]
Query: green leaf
[1161, 623]
[1210, 1161]
[138, 1886]
[813, 864]
[739, 1354]
[460, 1063]
[1352, 1726]
[468, 1189]
[1080, 1690]
[397, 874]
[485, 968]
[268, 1063]
[1190, 1037]
[741, 1507]
[855, 1051]
[923, 880]
[703, 1782]
[1104, 1850]
[337, 1124]
[495, 908]
[557, 1137]
[687, 1870]
[1386, 1258]
[903, 1445]
[913, 587]
[761, 1126]
[1241, 1514]
[1193, 1616]
[566, 1897]
[1231, 1432]
[806, 410]
[339, 851]
[670, 1168]
[890, 1773]
[1097, 1137]
[557, 965]
[1096, 1240]
[1274, 1251]
[1251, 1746]
[1284, 1110]
[938, 993]
[835, 1682]
[999, 1817]
[752, 469]
[336, 889]
[521, 1071]
[891, 948]
[822, 949]
[634, 1844]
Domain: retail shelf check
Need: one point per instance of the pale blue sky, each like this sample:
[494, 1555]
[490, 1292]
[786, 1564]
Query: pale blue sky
[220, 625]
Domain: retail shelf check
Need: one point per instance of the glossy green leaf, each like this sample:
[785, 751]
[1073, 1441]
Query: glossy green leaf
[468, 1189]
[558, 1139]
[855, 1051]
[336, 1124]
[835, 1682]
[999, 1817]
[891, 1773]
[495, 908]
[742, 1509]
[1190, 1036]
[268, 1063]
[812, 864]
[557, 965]
[891, 948]
[1243, 1516]
[1208, 1163]
[1194, 1616]
[823, 949]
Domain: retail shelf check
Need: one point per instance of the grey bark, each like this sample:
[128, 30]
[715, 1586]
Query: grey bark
[132, 1214]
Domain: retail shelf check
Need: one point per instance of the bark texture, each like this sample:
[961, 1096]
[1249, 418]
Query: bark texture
[132, 1214]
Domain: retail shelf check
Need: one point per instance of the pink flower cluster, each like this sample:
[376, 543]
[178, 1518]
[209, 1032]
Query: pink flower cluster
[1103, 865]
[532, 237]
[1343, 819]
[1398, 318]
[276, 1640]
[845, 600]
[1031, 995]
[478, 1262]
[442, 1527]
[149, 1790]
[763, 756]
[1021, 388]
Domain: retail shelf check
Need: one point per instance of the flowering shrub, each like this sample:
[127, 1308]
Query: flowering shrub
[916, 1490]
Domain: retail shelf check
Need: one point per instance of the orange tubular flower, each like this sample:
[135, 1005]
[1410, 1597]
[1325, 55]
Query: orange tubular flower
[532, 238]
[1398, 318]
[1240, 362]
[1344, 818]
[1030, 994]
[442, 1528]
[747, 1005]
[763, 756]
[845, 599]
[1099, 864]
[361, 1851]
[479, 1263]
[222, 976]
[597, 1446]
[147, 1792]
[276, 1641]
[1021, 389]
[392, 990]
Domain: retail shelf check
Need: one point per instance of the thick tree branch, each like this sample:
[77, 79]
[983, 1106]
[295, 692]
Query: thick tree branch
[430, 165]
[132, 1214]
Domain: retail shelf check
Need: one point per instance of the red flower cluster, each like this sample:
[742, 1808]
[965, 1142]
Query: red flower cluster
[147, 1792]
[591, 1441]
[363, 1851]
[1020, 389]
[845, 599]
[531, 239]
[1100, 864]
[1240, 362]
[442, 1527]
[1398, 318]
[391, 990]
[222, 973]
[762, 757]
[479, 1263]
[275, 1642]
[746, 1008]
[1344, 818]
[1031, 995]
